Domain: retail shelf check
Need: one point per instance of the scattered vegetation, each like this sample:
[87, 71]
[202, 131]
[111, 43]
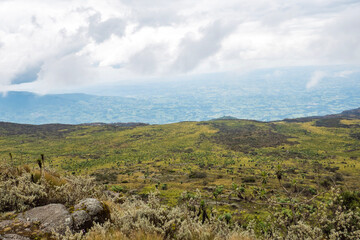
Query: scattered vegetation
[222, 179]
[333, 214]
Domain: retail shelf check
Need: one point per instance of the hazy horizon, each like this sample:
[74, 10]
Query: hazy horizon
[265, 95]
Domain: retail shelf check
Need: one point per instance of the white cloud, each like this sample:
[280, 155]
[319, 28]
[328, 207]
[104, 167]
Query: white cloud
[193, 51]
[102, 30]
[75, 43]
[344, 74]
[315, 79]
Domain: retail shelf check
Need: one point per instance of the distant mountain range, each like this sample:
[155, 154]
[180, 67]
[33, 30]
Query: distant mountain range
[265, 96]
[347, 114]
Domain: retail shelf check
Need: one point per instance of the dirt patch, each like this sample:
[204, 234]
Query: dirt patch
[330, 122]
[244, 138]
[355, 135]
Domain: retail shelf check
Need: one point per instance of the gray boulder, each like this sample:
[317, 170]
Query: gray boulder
[56, 218]
[82, 220]
[52, 217]
[97, 211]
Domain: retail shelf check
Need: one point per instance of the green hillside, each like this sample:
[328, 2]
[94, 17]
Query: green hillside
[256, 175]
[315, 153]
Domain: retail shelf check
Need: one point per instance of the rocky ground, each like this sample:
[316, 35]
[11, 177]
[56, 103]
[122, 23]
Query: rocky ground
[46, 221]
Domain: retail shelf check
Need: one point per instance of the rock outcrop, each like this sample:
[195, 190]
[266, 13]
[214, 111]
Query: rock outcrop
[82, 220]
[13, 237]
[88, 211]
[44, 220]
[52, 217]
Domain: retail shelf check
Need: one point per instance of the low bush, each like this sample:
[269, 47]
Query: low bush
[197, 175]
[117, 188]
[350, 200]
[249, 179]
[21, 190]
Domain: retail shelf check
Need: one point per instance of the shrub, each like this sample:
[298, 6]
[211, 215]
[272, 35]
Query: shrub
[21, 190]
[350, 200]
[338, 177]
[105, 176]
[20, 193]
[117, 188]
[227, 217]
[179, 222]
[327, 182]
[309, 191]
[197, 175]
[249, 179]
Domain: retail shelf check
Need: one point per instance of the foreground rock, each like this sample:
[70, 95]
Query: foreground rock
[13, 237]
[17, 229]
[42, 221]
[82, 220]
[88, 211]
[52, 217]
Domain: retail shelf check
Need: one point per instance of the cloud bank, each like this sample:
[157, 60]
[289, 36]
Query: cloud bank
[57, 46]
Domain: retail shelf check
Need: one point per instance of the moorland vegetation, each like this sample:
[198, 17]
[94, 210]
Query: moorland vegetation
[219, 179]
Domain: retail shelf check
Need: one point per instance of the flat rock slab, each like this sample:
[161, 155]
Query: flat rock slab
[13, 237]
[5, 223]
[52, 217]
[20, 229]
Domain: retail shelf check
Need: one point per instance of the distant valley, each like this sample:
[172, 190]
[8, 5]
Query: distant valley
[265, 96]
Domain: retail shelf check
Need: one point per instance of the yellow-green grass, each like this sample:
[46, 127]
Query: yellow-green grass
[144, 156]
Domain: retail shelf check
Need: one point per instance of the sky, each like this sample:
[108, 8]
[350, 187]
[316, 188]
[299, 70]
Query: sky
[65, 45]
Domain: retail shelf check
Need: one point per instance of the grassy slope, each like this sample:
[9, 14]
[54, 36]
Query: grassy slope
[228, 151]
